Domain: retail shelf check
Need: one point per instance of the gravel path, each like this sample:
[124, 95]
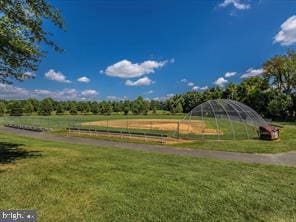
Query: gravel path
[287, 159]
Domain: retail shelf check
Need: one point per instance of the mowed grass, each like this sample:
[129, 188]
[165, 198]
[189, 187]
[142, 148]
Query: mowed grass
[64, 121]
[66, 182]
[287, 142]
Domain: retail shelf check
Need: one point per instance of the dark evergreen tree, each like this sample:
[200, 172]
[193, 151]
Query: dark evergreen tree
[45, 107]
[2, 108]
[60, 109]
[16, 108]
[28, 107]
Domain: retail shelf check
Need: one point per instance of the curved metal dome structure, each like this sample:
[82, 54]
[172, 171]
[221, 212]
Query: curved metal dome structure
[223, 119]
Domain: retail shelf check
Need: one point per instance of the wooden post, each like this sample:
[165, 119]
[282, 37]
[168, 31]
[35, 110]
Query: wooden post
[178, 130]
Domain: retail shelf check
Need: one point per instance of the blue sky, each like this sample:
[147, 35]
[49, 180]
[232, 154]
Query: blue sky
[157, 48]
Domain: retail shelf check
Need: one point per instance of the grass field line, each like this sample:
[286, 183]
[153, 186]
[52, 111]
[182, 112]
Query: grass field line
[286, 159]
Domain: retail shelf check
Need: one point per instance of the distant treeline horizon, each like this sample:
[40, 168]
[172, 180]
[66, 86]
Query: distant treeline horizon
[272, 95]
[254, 92]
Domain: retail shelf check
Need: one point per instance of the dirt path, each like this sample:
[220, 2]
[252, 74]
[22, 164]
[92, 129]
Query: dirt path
[287, 159]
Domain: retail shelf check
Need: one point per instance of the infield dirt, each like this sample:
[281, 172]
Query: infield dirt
[183, 127]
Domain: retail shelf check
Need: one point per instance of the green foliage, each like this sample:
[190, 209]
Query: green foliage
[105, 108]
[153, 106]
[16, 108]
[179, 108]
[73, 108]
[35, 104]
[175, 104]
[280, 105]
[60, 109]
[2, 108]
[28, 108]
[231, 91]
[45, 107]
[21, 32]
[83, 107]
[281, 72]
[127, 107]
[140, 106]
[94, 108]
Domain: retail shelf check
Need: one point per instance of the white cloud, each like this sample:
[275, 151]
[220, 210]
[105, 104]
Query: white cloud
[145, 81]
[236, 3]
[190, 84]
[221, 82]
[162, 98]
[195, 88]
[127, 69]
[251, 73]
[287, 35]
[229, 74]
[184, 80]
[204, 88]
[83, 79]
[150, 92]
[170, 95]
[116, 98]
[65, 94]
[89, 93]
[56, 76]
[43, 92]
[12, 92]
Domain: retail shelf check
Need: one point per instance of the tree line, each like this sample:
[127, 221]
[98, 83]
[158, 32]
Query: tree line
[49, 106]
[273, 95]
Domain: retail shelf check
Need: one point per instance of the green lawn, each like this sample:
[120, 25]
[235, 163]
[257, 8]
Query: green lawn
[287, 140]
[286, 143]
[63, 121]
[66, 182]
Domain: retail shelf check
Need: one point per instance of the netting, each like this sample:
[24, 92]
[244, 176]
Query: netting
[223, 119]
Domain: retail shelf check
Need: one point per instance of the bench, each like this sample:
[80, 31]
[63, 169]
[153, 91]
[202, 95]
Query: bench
[26, 127]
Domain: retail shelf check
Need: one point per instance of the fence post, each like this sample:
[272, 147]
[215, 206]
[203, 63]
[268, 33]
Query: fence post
[178, 130]
[108, 126]
[150, 126]
[89, 133]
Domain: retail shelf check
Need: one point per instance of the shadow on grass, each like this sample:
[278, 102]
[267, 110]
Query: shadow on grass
[10, 152]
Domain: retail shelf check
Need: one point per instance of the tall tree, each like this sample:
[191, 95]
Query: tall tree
[28, 108]
[281, 72]
[126, 107]
[60, 109]
[73, 108]
[140, 106]
[16, 108]
[21, 33]
[280, 105]
[2, 108]
[45, 107]
[105, 108]
[94, 108]
[230, 92]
